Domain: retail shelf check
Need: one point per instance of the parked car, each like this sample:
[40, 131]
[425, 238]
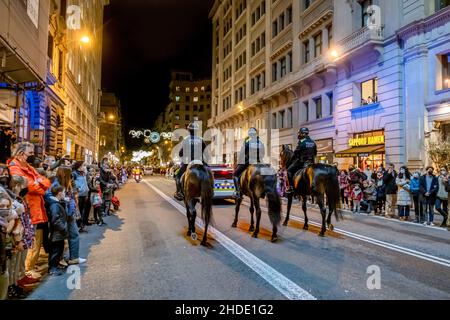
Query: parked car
[223, 182]
[148, 171]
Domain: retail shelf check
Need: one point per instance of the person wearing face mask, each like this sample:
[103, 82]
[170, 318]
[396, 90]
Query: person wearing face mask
[391, 191]
[429, 186]
[442, 196]
[414, 189]
[79, 177]
[403, 195]
[37, 186]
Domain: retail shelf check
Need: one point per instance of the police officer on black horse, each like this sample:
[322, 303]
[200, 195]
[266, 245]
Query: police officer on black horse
[304, 155]
[193, 149]
[252, 152]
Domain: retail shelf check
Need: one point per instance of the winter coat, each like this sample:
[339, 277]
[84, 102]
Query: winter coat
[442, 193]
[357, 195]
[433, 190]
[403, 195]
[414, 186]
[389, 182]
[81, 184]
[36, 191]
[371, 193]
[58, 220]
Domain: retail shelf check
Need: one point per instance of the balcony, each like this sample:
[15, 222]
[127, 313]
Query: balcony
[367, 37]
[319, 12]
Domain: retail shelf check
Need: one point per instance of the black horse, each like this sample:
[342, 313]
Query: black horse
[259, 182]
[198, 184]
[315, 180]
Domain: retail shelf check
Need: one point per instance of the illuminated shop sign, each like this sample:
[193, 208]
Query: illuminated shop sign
[366, 141]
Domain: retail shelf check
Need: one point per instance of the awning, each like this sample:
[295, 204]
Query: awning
[364, 151]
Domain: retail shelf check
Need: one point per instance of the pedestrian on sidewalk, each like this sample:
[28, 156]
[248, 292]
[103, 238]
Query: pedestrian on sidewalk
[404, 195]
[442, 196]
[37, 186]
[95, 197]
[344, 187]
[381, 192]
[370, 194]
[58, 229]
[429, 186]
[79, 177]
[391, 191]
[447, 188]
[414, 189]
[356, 196]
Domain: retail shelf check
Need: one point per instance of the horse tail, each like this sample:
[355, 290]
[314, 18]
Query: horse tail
[333, 193]
[274, 202]
[206, 194]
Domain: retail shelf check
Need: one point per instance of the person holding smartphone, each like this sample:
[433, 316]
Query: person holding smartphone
[442, 196]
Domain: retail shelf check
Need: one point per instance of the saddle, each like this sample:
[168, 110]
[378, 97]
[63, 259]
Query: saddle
[195, 163]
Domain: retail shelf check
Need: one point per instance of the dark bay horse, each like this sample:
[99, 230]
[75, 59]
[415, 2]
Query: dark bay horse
[259, 182]
[198, 185]
[315, 180]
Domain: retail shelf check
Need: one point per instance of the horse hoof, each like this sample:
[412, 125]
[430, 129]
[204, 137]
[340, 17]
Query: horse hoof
[274, 239]
[203, 243]
[306, 227]
[322, 235]
[255, 235]
[331, 227]
[285, 223]
[251, 229]
[234, 225]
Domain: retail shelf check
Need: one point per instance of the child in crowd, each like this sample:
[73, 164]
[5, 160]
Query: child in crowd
[356, 196]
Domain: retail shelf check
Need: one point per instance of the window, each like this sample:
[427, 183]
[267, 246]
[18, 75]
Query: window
[306, 52]
[195, 89]
[441, 4]
[195, 99]
[290, 69]
[445, 63]
[331, 101]
[188, 89]
[289, 118]
[177, 107]
[188, 99]
[281, 119]
[369, 92]
[306, 110]
[274, 28]
[177, 98]
[281, 22]
[365, 13]
[177, 117]
[274, 72]
[263, 40]
[201, 108]
[289, 15]
[186, 108]
[330, 35]
[274, 120]
[283, 66]
[318, 44]
[319, 113]
[177, 88]
[203, 89]
[186, 117]
[307, 3]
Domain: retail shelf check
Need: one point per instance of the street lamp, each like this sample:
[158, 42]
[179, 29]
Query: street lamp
[85, 39]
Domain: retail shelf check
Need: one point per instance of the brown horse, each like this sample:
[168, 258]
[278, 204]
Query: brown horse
[259, 182]
[315, 180]
[198, 185]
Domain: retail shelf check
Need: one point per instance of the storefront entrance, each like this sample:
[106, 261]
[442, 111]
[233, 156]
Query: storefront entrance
[367, 150]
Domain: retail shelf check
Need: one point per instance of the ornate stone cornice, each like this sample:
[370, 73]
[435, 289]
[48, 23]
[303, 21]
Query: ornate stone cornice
[281, 50]
[424, 25]
[324, 18]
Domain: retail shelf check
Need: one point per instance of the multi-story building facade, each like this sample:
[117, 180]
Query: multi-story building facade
[83, 81]
[347, 69]
[190, 100]
[23, 61]
[111, 135]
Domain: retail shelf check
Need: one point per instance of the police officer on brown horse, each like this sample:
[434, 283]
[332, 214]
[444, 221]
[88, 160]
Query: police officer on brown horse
[304, 155]
[193, 148]
[252, 152]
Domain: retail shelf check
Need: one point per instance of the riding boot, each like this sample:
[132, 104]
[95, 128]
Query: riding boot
[237, 188]
[178, 194]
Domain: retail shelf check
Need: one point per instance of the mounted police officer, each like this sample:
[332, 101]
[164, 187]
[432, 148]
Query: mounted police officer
[193, 148]
[304, 155]
[252, 152]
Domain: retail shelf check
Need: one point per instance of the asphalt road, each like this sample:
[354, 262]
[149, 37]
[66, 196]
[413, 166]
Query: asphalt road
[144, 254]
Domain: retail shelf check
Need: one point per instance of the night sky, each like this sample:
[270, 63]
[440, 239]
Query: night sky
[143, 41]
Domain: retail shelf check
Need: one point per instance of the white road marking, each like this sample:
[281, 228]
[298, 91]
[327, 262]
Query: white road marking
[390, 246]
[284, 285]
